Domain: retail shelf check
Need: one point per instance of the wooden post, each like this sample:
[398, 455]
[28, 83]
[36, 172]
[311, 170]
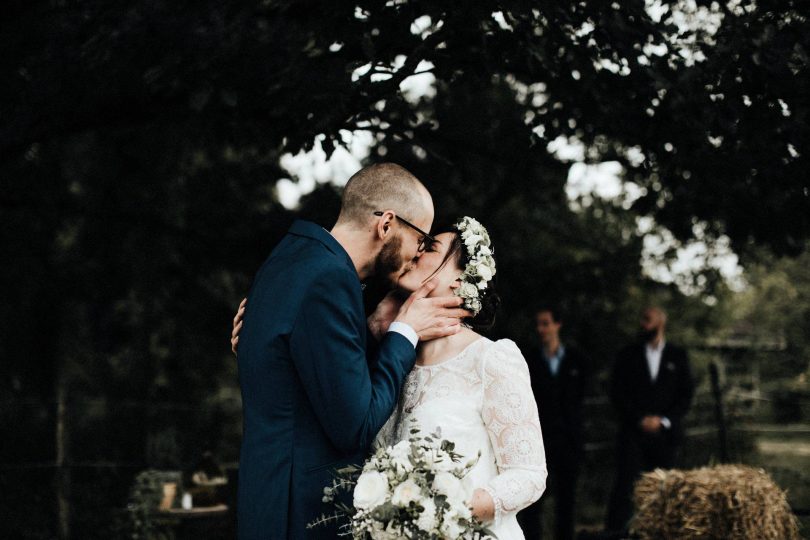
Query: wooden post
[718, 411]
[62, 479]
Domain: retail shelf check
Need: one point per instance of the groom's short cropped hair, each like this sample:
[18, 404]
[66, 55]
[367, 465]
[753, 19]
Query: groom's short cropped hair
[383, 186]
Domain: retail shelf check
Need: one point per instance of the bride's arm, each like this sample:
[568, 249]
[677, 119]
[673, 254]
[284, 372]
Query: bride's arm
[510, 414]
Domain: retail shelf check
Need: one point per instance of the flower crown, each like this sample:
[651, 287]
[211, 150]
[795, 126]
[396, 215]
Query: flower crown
[481, 268]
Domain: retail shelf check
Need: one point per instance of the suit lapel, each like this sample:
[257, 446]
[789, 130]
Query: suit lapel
[645, 366]
[665, 368]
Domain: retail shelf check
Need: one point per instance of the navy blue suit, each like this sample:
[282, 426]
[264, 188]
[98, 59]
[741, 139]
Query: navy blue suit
[311, 401]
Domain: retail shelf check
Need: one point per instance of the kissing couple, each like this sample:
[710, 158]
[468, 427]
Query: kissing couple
[323, 383]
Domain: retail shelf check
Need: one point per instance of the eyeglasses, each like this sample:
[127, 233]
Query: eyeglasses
[425, 241]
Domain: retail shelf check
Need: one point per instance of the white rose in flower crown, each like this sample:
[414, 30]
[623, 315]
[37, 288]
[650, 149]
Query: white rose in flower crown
[405, 493]
[484, 271]
[427, 519]
[472, 241]
[468, 290]
[371, 490]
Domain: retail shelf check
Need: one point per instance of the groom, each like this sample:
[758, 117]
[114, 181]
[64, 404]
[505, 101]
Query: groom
[312, 401]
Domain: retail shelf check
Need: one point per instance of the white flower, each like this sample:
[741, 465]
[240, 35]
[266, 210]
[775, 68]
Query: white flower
[468, 290]
[439, 461]
[473, 240]
[447, 484]
[371, 490]
[481, 267]
[485, 271]
[464, 511]
[390, 532]
[427, 519]
[450, 528]
[405, 493]
[400, 457]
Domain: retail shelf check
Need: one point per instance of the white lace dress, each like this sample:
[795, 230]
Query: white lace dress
[481, 399]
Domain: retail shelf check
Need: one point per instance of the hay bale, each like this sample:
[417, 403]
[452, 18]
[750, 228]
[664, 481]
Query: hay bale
[723, 502]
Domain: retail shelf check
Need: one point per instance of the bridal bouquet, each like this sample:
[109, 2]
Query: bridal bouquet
[414, 489]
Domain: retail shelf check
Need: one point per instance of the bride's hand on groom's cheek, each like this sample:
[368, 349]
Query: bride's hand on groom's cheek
[432, 318]
[237, 325]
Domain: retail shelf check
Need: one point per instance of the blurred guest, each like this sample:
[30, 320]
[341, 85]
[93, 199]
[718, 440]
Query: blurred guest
[651, 389]
[559, 374]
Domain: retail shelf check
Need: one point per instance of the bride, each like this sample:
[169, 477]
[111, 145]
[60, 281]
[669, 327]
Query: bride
[475, 391]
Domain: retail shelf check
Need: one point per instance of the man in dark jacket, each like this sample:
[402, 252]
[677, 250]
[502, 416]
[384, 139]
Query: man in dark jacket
[651, 389]
[560, 375]
[312, 400]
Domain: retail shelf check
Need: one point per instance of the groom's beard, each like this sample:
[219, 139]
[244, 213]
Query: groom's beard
[388, 265]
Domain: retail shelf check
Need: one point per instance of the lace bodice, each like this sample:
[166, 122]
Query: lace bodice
[482, 400]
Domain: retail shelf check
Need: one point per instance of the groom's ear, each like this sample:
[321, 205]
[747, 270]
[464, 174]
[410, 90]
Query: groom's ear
[384, 223]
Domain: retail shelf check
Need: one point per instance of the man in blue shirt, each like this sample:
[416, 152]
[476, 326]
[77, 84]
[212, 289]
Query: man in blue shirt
[560, 375]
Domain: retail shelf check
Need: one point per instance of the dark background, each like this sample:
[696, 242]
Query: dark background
[140, 146]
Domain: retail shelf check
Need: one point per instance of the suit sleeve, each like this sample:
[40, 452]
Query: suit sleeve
[351, 400]
[685, 389]
[620, 394]
[586, 371]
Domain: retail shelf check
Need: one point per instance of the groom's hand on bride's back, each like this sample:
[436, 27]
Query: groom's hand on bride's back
[432, 318]
[237, 325]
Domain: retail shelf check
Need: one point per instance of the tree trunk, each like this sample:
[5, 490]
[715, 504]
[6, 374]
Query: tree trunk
[62, 466]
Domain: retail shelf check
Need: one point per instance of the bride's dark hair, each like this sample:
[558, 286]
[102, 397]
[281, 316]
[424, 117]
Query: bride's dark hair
[489, 297]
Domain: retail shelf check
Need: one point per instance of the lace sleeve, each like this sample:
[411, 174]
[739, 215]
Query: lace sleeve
[385, 437]
[510, 414]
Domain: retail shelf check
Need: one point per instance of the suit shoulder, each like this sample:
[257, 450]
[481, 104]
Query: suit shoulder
[628, 351]
[677, 350]
[577, 354]
[312, 259]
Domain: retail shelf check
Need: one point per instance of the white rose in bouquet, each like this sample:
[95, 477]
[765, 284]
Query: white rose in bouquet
[450, 526]
[390, 532]
[449, 485]
[405, 493]
[400, 457]
[427, 502]
[427, 519]
[371, 490]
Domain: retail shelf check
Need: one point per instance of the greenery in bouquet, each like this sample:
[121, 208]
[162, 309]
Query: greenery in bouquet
[416, 489]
